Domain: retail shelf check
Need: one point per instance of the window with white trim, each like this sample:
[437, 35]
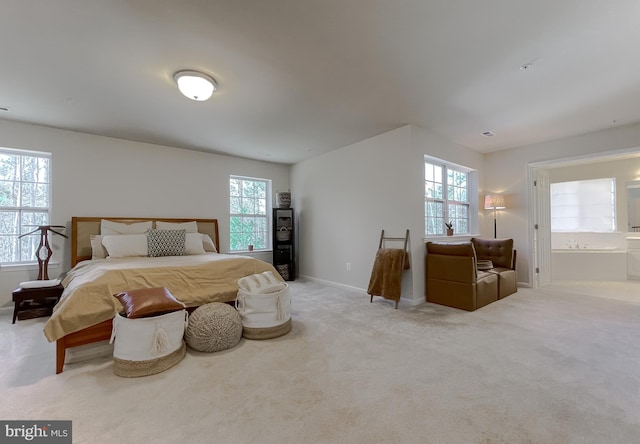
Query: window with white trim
[584, 205]
[25, 202]
[249, 199]
[446, 198]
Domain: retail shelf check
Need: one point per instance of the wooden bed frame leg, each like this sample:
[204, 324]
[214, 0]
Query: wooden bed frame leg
[60, 355]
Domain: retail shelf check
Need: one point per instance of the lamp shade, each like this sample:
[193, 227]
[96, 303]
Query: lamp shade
[494, 202]
[195, 85]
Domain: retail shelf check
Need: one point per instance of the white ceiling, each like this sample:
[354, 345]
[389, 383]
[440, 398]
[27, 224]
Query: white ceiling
[298, 78]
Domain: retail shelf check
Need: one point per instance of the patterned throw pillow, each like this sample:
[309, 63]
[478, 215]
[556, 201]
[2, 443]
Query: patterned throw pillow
[166, 242]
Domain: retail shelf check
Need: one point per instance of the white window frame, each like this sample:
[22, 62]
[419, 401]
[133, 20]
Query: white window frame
[253, 238]
[584, 206]
[25, 247]
[471, 221]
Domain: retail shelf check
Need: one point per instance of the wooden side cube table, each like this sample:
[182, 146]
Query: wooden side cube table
[35, 302]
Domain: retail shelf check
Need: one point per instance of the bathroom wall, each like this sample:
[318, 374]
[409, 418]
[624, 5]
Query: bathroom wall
[624, 170]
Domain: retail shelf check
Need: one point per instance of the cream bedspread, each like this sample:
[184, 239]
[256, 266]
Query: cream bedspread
[195, 280]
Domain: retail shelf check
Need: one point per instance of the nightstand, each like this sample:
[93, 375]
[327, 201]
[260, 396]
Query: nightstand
[35, 302]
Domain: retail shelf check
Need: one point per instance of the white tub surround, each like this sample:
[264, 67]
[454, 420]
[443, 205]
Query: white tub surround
[589, 264]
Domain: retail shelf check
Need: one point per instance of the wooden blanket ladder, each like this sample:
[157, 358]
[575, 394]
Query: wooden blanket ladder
[404, 262]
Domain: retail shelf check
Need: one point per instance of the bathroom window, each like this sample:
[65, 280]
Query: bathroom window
[584, 206]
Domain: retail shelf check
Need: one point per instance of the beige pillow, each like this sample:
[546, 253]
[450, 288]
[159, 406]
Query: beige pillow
[193, 244]
[145, 302]
[190, 227]
[97, 249]
[208, 244]
[109, 227]
[126, 245]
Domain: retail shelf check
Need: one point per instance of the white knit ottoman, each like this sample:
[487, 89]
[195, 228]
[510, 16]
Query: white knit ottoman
[264, 304]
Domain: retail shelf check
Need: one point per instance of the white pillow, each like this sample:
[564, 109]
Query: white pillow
[126, 245]
[190, 227]
[109, 228]
[97, 249]
[193, 244]
[208, 244]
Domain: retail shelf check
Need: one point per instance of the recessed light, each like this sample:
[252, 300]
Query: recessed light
[488, 134]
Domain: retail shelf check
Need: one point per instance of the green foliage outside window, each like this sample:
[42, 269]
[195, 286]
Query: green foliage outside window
[248, 213]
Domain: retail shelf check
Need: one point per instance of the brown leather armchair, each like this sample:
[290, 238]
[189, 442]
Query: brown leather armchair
[503, 257]
[454, 280]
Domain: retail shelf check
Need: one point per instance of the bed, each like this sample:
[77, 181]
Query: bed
[87, 307]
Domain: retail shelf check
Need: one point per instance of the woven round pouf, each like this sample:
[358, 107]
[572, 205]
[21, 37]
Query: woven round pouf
[213, 327]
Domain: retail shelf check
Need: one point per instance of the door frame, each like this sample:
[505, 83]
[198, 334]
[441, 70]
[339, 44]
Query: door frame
[532, 168]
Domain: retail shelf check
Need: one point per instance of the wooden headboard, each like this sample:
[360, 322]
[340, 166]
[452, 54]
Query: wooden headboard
[83, 227]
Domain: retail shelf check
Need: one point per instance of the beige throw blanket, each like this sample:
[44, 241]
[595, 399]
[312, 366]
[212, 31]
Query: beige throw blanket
[386, 276]
[195, 280]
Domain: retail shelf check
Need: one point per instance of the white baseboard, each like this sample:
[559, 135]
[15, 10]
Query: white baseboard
[410, 302]
[334, 284]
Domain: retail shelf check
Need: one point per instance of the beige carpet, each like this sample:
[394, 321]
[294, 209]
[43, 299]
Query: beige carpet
[557, 365]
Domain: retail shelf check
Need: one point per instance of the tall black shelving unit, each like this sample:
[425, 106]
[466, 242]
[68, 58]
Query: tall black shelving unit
[284, 254]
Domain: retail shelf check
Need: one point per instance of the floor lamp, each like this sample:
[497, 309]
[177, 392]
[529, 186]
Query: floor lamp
[494, 202]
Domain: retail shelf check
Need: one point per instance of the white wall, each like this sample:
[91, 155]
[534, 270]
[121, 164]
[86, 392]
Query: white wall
[506, 171]
[346, 197]
[100, 176]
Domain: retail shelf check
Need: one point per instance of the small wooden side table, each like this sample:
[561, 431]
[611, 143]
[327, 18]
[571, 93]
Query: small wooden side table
[35, 302]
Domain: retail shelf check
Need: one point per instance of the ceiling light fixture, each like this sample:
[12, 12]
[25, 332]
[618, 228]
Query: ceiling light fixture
[195, 85]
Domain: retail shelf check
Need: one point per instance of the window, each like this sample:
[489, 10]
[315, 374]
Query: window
[25, 202]
[584, 205]
[446, 198]
[249, 220]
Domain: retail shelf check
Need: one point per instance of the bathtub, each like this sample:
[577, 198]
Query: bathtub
[589, 264]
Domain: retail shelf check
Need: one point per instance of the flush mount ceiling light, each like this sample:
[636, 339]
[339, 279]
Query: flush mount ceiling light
[195, 85]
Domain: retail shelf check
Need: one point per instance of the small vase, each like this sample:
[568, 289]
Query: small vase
[449, 231]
